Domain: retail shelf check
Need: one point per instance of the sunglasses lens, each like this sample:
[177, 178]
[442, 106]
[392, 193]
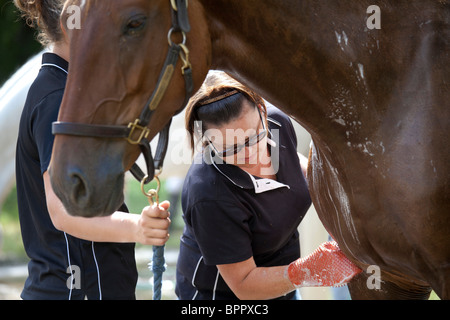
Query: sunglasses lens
[237, 148]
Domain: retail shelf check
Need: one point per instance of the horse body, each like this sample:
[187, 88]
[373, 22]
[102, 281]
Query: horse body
[374, 101]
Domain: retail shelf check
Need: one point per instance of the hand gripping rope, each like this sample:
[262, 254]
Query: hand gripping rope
[158, 262]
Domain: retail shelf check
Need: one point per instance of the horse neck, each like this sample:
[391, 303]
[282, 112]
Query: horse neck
[268, 47]
[315, 60]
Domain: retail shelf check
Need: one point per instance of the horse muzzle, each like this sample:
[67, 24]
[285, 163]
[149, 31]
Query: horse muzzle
[87, 186]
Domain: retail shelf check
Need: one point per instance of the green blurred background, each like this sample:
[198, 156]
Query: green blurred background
[17, 44]
[17, 40]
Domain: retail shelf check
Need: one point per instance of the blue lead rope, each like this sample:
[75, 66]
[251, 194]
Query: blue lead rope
[158, 266]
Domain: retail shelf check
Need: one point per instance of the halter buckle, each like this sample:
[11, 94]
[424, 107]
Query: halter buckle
[135, 126]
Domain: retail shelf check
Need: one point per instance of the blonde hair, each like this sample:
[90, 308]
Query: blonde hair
[44, 16]
[221, 96]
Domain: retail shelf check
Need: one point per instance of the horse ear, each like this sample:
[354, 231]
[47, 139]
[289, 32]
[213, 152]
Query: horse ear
[182, 15]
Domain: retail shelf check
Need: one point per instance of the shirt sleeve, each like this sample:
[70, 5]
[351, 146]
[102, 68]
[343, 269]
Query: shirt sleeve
[44, 114]
[222, 232]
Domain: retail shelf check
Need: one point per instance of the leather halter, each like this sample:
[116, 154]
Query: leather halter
[137, 132]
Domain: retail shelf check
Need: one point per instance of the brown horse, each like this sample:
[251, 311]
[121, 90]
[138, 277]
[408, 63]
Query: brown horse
[375, 100]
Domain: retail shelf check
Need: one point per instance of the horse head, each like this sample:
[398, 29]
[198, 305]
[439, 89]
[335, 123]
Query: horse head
[126, 81]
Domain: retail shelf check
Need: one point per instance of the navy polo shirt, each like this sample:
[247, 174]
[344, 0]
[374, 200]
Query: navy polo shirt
[231, 216]
[100, 270]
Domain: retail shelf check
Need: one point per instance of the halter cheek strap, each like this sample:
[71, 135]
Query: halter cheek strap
[137, 132]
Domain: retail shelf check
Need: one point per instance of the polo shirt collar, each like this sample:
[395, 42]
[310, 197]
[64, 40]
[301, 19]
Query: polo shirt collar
[265, 184]
[49, 58]
[239, 177]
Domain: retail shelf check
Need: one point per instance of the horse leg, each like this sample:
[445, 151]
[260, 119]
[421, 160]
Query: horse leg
[362, 287]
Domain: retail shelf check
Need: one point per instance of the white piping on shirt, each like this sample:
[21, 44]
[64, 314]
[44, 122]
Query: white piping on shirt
[98, 272]
[215, 166]
[215, 285]
[54, 65]
[193, 277]
[70, 267]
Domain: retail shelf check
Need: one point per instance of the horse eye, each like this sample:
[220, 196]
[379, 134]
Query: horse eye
[134, 25]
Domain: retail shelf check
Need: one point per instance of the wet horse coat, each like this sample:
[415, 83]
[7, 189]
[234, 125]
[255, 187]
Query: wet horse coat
[374, 100]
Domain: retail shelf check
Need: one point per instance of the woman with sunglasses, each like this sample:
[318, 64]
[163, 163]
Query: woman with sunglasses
[243, 199]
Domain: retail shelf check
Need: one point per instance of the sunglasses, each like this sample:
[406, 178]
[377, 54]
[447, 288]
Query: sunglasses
[251, 141]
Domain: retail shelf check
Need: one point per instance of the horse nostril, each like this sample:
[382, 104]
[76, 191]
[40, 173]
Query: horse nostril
[79, 190]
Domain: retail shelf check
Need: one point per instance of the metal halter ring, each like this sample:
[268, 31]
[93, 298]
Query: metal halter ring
[169, 37]
[152, 194]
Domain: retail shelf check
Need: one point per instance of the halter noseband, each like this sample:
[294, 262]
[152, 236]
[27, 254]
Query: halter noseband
[137, 132]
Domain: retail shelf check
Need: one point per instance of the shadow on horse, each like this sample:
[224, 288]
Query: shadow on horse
[375, 101]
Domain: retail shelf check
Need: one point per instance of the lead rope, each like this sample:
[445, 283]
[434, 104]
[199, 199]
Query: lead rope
[157, 265]
[181, 25]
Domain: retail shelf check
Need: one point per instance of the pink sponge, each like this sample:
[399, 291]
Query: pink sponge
[327, 266]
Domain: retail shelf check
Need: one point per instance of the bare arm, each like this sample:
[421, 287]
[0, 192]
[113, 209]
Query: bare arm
[327, 266]
[150, 227]
[249, 282]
